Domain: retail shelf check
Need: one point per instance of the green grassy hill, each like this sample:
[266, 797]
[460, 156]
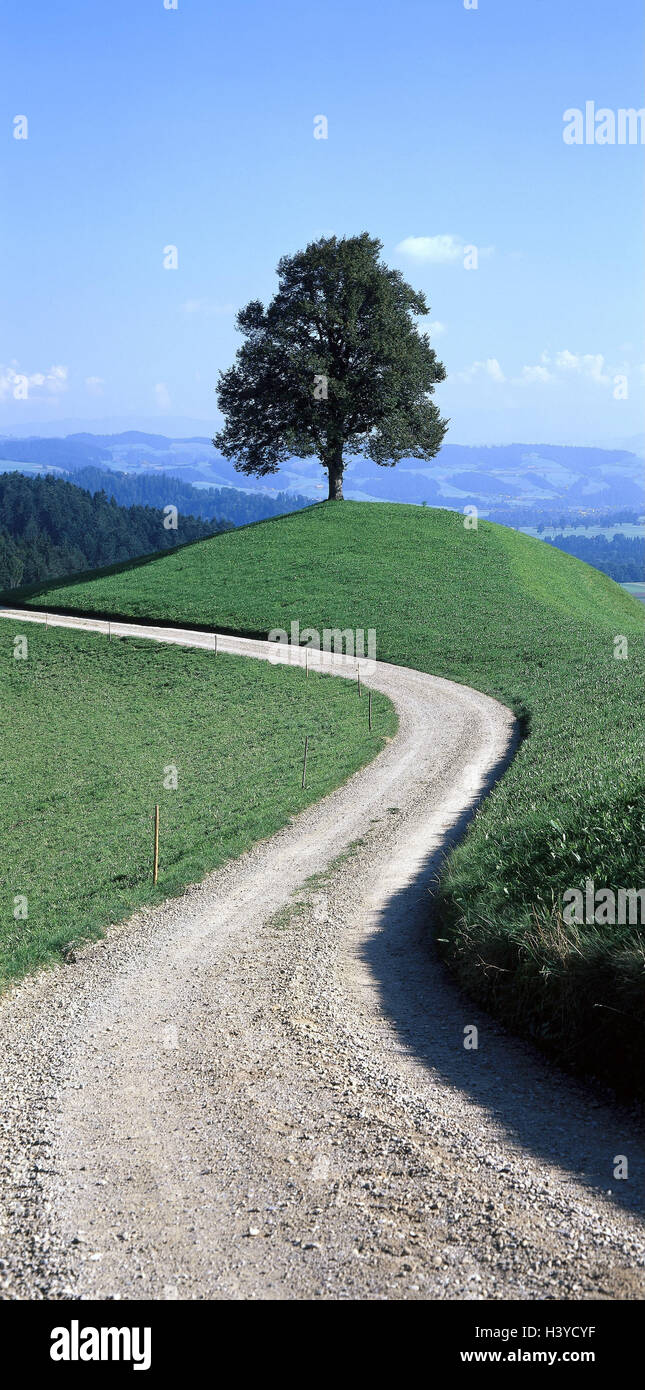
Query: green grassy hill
[92, 729]
[523, 622]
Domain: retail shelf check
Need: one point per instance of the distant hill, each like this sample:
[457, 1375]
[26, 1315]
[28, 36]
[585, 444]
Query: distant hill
[158, 490]
[65, 454]
[510, 476]
[134, 437]
[622, 557]
[488, 476]
[50, 528]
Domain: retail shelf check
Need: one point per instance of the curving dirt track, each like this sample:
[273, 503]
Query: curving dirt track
[261, 1090]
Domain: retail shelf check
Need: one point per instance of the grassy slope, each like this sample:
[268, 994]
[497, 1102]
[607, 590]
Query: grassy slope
[524, 622]
[89, 726]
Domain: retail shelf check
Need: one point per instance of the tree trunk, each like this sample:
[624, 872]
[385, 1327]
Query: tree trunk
[335, 471]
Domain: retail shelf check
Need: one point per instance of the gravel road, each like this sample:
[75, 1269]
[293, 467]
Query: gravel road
[260, 1089]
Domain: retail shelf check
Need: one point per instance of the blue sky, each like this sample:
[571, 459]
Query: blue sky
[193, 127]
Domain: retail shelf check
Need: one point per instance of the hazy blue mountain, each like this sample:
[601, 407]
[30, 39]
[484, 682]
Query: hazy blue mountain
[491, 476]
[54, 453]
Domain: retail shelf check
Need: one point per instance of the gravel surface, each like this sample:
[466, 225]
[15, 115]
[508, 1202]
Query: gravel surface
[260, 1089]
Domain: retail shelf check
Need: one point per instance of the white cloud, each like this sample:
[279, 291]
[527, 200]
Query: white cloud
[552, 367]
[439, 249]
[536, 374]
[162, 395]
[207, 307]
[445, 249]
[50, 383]
[95, 385]
[436, 328]
[56, 380]
[591, 364]
[490, 368]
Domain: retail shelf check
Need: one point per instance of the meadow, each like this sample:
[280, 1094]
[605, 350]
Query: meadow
[525, 623]
[96, 732]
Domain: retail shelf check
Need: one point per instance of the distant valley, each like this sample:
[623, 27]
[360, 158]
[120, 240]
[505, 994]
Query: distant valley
[589, 501]
[488, 476]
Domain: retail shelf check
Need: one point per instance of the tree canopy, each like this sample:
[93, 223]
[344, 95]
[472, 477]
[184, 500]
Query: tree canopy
[335, 365]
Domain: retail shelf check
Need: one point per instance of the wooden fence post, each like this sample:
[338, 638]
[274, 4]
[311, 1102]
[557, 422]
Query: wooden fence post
[155, 863]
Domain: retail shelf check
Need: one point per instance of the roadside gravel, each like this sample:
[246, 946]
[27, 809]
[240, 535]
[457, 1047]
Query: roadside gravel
[261, 1090]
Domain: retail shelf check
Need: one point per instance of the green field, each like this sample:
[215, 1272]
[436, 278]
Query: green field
[88, 728]
[515, 618]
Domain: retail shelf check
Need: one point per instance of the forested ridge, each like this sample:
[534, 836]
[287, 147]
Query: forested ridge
[622, 557]
[158, 489]
[50, 528]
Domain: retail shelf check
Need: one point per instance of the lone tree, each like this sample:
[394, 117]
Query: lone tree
[335, 366]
